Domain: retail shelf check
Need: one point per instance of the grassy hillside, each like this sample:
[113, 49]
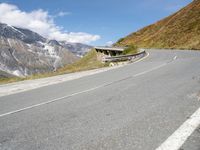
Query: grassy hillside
[88, 62]
[180, 30]
[131, 49]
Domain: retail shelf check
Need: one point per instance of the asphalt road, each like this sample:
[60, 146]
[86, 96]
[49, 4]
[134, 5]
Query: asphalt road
[135, 107]
[193, 141]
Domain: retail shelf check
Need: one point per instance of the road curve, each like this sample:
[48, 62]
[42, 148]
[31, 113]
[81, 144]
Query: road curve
[137, 106]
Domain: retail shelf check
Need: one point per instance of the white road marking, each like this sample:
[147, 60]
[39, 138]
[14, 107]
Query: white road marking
[178, 138]
[81, 92]
[48, 102]
[175, 57]
[155, 68]
[23, 86]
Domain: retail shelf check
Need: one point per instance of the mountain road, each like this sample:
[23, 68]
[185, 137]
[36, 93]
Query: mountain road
[153, 104]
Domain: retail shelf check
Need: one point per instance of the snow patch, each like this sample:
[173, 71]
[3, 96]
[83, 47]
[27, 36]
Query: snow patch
[53, 53]
[9, 43]
[13, 72]
[29, 45]
[17, 73]
[29, 48]
[4, 55]
[16, 30]
[51, 50]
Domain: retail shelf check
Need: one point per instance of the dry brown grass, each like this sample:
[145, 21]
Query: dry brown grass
[178, 31]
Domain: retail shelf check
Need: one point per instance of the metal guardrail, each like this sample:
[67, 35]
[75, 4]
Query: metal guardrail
[124, 57]
[121, 49]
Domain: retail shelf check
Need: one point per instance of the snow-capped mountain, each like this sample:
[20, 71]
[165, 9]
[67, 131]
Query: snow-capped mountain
[24, 52]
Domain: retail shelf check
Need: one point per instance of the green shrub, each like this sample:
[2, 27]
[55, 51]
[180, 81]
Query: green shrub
[131, 49]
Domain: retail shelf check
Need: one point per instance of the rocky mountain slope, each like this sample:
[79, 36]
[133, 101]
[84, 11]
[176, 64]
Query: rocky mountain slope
[23, 52]
[180, 30]
[78, 49]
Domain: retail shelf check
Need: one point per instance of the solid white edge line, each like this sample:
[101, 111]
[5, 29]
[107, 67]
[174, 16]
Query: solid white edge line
[100, 70]
[48, 102]
[179, 137]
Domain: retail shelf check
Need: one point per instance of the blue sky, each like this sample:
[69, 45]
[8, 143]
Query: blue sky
[109, 20]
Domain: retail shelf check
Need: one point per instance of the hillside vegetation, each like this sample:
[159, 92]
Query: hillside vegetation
[131, 49]
[180, 30]
[88, 62]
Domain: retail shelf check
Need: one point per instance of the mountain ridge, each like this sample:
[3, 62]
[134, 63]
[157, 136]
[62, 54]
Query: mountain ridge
[24, 52]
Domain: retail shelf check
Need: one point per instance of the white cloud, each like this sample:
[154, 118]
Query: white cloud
[41, 22]
[62, 13]
[109, 43]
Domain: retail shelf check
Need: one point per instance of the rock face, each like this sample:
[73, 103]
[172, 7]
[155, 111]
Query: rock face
[23, 52]
[78, 49]
[180, 30]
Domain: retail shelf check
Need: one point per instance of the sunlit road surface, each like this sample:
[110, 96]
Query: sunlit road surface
[148, 105]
